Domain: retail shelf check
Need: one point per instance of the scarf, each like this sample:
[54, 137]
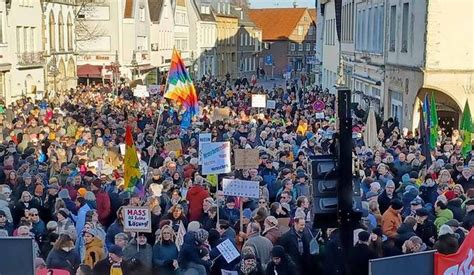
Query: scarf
[246, 268]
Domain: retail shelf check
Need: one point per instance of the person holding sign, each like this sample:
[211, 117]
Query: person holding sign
[139, 249]
[165, 252]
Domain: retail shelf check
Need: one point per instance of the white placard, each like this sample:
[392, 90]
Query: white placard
[241, 188]
[140, 91]
[215, 158]
[259, 101]
[319, 115]
[122, 148]
[136, 219]
[271, 104]
[228, 250]
[228, 272]
[203, 138]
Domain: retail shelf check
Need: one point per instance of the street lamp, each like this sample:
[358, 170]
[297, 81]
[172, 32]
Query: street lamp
[134, 64]
[54, 71]
[115, 66]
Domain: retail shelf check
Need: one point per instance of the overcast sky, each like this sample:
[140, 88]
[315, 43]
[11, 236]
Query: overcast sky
[280, 3]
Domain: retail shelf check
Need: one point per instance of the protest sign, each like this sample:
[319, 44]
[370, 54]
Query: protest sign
[319, 115]
[246, 158]
[173, 145]
[154, 89]
[136, 219]
[203, 138]
[140, 91]
[180, 235]
[259, 101]
[220, 114]
[228, 251]
[216, 158]
[271, 104]
[241, 188]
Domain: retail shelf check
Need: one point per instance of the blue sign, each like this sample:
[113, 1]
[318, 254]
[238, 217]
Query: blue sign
[268, 60]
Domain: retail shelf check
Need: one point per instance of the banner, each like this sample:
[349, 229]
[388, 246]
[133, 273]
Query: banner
[203, 138]
[259, 101]
[241, 188]
[220, 114]
[173, 145]
[216, 158]
[246, 158]
[460, 262]
[136, 219]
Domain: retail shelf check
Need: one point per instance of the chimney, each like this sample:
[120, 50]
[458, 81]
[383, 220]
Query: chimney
[294, 4]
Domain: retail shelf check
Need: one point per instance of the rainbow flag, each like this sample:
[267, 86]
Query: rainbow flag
[181, 89]
[131, 165]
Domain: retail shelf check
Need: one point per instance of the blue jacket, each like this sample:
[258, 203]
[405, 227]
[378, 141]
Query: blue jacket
[231, 215]
[220, 262]
[80, 219]
[113, 230]
[164, 254]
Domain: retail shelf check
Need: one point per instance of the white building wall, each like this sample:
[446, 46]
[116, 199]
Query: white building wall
[5, 58]
[162, 38]
[330, 49]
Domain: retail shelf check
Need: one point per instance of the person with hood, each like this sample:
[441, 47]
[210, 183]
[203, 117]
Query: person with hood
[281, 263]
[139, 249]
[447, 242]
[195, 197]
[443, 214]
[425, 228]
[165, 252]
[94, 248]
[250, 264]
[102, 201]
[63, 256]
[391, 219]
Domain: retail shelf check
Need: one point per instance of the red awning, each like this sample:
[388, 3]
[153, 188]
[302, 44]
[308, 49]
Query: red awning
[91, 71]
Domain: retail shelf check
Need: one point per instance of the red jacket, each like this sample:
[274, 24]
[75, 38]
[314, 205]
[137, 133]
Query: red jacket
[103, 206]
[195, 196]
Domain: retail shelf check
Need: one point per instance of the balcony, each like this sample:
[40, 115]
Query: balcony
[30, 59]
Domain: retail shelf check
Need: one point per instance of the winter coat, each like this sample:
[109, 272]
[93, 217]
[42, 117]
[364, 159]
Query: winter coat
[468, 221]
[66, 226]
[455, 207]
[220, 263]
[289, 241]
[39, 229]
[259, 270]
[163, 256]
[144, 254]
[261, 246]
[231, 215]
[425, 231]
[269, 178]
[4, 206]
[8, 227]
[359, 257]
[103, 267]
[60, 259]
[190, 253]
[442, 217]
[286, 267]
[195, 196]
[404, 232]
[113, 230]
[273, 234]
[19, 210]
[447, 244]
[80, 219]
[94, 252]
[384, 201]
[103, 206]
[391, 220]
[429, 193]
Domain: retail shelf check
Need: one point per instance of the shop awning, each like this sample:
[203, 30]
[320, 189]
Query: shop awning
[145, 68]
[91, 71]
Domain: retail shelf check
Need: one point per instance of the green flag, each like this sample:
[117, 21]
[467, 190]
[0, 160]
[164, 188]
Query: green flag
[433, 124]
[467, 129]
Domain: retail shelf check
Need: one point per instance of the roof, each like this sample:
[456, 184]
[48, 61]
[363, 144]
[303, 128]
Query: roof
[204, 17]
[155, 7]
[312, 14]
[276, 23]
[128, 13]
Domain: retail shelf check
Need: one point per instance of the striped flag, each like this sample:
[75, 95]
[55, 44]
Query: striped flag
[131, 164]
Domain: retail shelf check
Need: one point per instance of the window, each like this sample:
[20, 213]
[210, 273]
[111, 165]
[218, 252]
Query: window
[61, 31]
[405, 11]
[308, 47]
[25, 39]
[393, 25]
[233, 57]
[300, 30]
[32, 39]
[142, 14]
[292, 47]
[241, 39]
[69, 33]
[359, 30]
[1, 29]
[52, 33]
[376, 92]
[311, 30]
[18, 40]
[142, 43]
[300, 47]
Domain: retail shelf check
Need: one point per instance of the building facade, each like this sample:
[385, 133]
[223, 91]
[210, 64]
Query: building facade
[248, 42]
[226, 49]
[59, 45]
[205, 58]
[25, 49]
[5, 58]
[289, 37]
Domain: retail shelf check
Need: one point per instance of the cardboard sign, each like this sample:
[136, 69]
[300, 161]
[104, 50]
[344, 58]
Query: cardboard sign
[140, 91]
[216, 158]
[259, 101]
[136, 219]
[220, 114]
[228, 251]
[246, 158]
[173, 145]
[203, 138]
[271, 104]
[319, 115]
[241, 188]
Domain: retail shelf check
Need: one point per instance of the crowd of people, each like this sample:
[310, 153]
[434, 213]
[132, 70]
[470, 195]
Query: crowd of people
[62, 184]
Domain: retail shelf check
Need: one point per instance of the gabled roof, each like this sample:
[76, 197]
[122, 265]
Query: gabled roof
[155, 7]
[277, 23]
[204, 17]
[312, 14]
[128, 12]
